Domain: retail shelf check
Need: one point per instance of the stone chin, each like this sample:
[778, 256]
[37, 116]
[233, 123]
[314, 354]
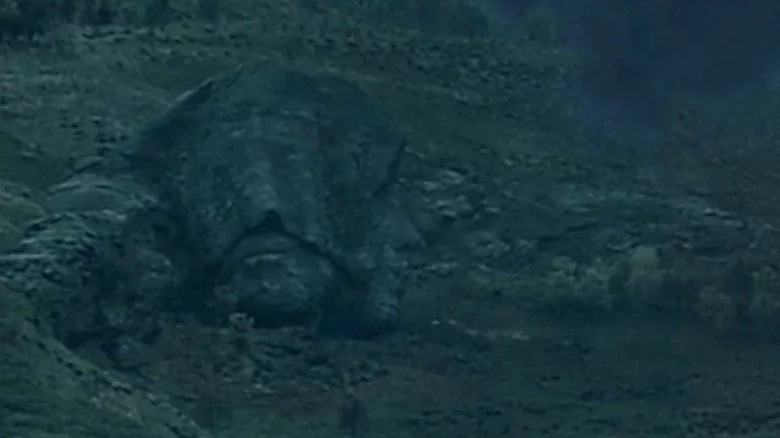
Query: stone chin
[280, 282]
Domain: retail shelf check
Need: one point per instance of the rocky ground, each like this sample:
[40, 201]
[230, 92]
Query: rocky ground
[524, 218]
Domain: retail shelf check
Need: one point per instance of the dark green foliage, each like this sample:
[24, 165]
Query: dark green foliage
[436, 17]
[209, 9]
[158, 12]
[30, 19]
[33, 11]
[68, 10]
[88, 11]
[105, 13]
[352, 415]
[738, 284]
[98, 12]
[10, 26]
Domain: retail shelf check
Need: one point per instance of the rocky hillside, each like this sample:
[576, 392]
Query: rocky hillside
[569, 286]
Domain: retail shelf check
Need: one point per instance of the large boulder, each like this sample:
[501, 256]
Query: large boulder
[276, 186]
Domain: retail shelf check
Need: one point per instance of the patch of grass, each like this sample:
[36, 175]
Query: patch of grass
[21, 162]
[18, 210]
[179, 74]
[9, 235]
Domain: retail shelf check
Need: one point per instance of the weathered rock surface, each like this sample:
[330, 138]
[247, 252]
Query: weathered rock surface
[283, 187]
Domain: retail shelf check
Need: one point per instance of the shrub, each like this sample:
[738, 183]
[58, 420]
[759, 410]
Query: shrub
[645, 278]
[158, 12]
[209, 9]
[718, 309]
[98, 13]
[573, 288]
[27, 19]
[764, 306]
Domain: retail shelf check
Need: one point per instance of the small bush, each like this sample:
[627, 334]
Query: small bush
[158, 12]
[105, 13]
[572, 288]
[209, 10]
[718, 309]
[98, 13]
[645, 278]
[68, 11]
[764, 304]
[540, 26]
[27, 19]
